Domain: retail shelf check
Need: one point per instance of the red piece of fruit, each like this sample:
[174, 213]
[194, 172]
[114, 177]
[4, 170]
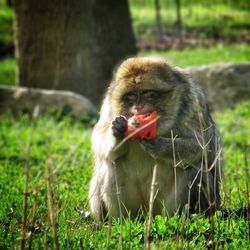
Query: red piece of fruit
[142, 126]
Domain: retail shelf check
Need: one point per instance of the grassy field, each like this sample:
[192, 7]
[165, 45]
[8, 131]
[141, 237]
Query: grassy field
[200, 56]
[206, 18]
[49, 160]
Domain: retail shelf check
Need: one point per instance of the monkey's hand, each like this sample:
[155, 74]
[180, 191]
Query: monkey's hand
[155, 147]
[187, 150]
[118, 127]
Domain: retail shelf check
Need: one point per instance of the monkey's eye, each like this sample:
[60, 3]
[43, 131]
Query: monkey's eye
[150, 95]
[129, 97]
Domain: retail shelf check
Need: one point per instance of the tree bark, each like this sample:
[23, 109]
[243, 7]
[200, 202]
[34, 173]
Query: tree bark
[178, 18]
[71, 45]
[158, 20]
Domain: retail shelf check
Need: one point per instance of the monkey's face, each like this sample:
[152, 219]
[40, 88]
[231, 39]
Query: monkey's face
[144, 85]
[141, 102]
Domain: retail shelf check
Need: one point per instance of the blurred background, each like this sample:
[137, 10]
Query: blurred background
[75, 46]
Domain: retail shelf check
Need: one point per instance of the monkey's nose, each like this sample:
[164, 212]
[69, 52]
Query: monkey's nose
[137, 109]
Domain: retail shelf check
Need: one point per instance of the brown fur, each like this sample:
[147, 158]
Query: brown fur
[123, 176]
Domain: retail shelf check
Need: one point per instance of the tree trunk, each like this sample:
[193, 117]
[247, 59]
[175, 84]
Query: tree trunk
[71, 45]
[158, 20]
[178, 18]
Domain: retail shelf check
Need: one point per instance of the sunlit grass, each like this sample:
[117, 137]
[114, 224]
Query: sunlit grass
[65, 145]
[200, 56]
[6, 19]
[208, 20]
[7, 71]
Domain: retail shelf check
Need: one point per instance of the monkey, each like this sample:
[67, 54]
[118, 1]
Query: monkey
[186, 151]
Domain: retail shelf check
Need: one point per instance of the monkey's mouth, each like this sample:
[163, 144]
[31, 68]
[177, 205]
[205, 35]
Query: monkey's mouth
[144, 114]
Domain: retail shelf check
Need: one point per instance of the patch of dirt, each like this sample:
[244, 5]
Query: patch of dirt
[170, 41]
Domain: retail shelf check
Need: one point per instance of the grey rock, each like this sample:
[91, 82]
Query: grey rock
[224, 84]
[14, 100]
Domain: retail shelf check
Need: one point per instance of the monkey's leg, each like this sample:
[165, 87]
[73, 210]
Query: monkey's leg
[204, 194]
[96, 203]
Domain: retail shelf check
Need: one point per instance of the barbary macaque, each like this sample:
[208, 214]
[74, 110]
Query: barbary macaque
[186, 150]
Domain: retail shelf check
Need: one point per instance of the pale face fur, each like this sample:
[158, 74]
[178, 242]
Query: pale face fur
[142, 85]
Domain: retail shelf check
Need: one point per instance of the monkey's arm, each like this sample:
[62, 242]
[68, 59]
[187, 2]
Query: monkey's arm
[106, 137]
[186, 149]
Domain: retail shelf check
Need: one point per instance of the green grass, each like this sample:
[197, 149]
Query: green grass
[208, 20]
[199, 56]
[62, 147]
[219, 19]
[66, 146]
[6, 19]
[235, 130]
[7, 71]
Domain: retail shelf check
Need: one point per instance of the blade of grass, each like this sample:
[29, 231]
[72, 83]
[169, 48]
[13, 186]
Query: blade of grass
[150, 212]
[51, 213]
